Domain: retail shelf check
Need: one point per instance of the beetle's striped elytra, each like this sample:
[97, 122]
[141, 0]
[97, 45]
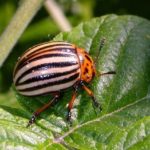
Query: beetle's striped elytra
[46, 68]
[52, 67]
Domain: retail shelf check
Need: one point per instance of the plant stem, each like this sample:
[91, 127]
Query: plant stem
[57, 14]
[19, 22]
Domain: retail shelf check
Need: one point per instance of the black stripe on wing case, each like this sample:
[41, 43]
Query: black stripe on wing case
[26, 60]
[47, 66]
[49, 84]
[42, 57]
[47, 76]
[43, 50]
[47, 46]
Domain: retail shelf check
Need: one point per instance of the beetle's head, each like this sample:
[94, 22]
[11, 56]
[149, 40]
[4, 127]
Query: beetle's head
[87, 65]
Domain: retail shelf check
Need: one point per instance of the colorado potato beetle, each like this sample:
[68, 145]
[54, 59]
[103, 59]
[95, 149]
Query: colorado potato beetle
[50, 68]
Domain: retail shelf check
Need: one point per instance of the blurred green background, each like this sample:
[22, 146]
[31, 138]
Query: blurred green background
[43, 28]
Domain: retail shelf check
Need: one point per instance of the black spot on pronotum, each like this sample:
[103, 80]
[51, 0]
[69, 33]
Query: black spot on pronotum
[88, 58]
[86, 70]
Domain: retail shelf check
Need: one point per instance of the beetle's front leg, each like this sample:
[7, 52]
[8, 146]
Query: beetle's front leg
[40, 110]
[71, 102]
[90, 93]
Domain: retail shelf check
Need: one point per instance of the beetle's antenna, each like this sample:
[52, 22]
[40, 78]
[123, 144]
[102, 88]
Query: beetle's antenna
[102, 42]
[107, 73]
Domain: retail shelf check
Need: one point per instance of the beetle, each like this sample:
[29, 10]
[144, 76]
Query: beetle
[50, 68]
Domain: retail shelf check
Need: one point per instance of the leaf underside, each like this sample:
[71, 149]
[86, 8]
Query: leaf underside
[124, 122]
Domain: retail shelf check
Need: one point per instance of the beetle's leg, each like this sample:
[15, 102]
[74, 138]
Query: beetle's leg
[38, 111]
[90, 93]
[70, 106]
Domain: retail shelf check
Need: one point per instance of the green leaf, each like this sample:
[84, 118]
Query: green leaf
[9, 99]
[124, 122]
[40, 30]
